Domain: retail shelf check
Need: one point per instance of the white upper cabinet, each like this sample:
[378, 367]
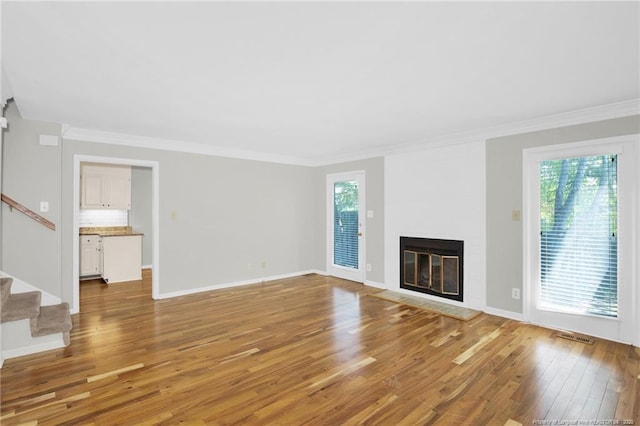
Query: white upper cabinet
[105, 186]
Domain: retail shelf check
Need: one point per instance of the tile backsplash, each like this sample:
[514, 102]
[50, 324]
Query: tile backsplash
[89, 217]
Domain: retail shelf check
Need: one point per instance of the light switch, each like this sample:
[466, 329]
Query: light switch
[369, 214]
[44, 206]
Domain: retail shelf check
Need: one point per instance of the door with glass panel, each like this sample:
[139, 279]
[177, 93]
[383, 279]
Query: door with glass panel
[578, 268]
[345, 225]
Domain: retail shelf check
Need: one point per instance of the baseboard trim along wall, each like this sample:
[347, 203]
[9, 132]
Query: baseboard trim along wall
[237, 284]
[504, 314]
[489, 310]
[55, 342]
[375, 284]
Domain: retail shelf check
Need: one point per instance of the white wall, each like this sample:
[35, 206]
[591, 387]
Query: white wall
[438, 193]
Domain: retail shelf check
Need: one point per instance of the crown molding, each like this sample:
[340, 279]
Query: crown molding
[98, 136]
[570, 118]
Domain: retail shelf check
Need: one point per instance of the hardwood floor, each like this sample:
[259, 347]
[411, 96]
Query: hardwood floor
[309, 350]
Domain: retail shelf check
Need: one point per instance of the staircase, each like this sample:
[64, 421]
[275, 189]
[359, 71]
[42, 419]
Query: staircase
[46, 324]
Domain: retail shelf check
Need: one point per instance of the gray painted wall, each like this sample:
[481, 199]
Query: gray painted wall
[504, 195]
[221, 219]
[374, 183]
[31, 173]
[140, 215]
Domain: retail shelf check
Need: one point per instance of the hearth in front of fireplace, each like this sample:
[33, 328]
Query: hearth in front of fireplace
[432, 266]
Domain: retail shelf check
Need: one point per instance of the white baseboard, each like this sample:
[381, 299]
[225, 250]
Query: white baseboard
[516, 316]
[236, 284]
[147, 267]
[40, 347]
[17, 340]
[375, 284]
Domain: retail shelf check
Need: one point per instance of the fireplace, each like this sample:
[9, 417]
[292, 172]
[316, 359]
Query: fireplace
[432, 266]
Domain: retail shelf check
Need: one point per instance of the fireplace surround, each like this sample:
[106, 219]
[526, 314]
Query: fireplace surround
[432, 266]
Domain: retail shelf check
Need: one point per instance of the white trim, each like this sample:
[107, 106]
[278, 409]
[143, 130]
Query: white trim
[32, 349]
[375, 284]
[635, 247]
[569, 118]
[589, 332]
[155, 219]
[236, 284]
[627, 330]
[97, 136]
[349, 273]
[503, 313]
[147, 266]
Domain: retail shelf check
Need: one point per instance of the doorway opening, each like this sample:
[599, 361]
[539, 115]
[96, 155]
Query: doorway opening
[151, 257]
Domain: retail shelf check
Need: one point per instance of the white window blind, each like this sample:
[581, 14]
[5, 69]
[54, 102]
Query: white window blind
[345, 227]
[578, 232]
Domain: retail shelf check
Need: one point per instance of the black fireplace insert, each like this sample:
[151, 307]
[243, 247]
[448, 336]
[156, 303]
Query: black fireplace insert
[432, 266]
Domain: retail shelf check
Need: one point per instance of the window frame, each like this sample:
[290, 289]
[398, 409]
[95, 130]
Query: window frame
[623, 328]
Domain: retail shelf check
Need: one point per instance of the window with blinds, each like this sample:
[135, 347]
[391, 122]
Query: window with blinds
[345, 227]
[578, 234]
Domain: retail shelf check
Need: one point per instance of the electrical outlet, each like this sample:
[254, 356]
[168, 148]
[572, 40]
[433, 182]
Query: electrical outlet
[44, 206]
[368, 267]
[515, 293]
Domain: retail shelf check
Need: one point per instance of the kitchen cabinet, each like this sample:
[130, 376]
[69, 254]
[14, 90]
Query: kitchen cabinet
[90, 255]
[122, 258]
[105, 186]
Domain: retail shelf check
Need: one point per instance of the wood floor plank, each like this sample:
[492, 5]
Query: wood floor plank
[308, 350]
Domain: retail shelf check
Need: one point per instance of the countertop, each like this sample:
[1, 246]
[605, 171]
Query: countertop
[109, 231]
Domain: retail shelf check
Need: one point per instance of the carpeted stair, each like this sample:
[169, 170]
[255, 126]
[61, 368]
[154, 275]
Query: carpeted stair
[43, 320]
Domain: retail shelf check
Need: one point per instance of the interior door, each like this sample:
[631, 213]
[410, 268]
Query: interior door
[346, 225]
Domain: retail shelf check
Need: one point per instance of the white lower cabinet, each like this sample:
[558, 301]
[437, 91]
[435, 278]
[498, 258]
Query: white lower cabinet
[90, 255]
[122, 258]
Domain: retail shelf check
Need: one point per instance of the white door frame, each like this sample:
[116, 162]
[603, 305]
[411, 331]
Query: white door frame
[625, 328]
[336, 270]
[155, 219]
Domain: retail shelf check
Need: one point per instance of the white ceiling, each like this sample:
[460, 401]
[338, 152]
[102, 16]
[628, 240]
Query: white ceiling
[315, 81]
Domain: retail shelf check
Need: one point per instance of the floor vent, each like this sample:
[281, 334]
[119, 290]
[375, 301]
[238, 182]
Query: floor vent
[576, 338]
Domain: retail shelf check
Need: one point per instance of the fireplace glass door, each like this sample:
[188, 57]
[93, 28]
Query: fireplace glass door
[432, 266]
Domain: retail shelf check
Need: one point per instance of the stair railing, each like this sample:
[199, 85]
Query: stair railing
[25, 210]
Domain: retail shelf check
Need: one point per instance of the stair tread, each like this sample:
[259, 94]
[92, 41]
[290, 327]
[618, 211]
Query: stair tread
[19, 306]
[52, 319]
